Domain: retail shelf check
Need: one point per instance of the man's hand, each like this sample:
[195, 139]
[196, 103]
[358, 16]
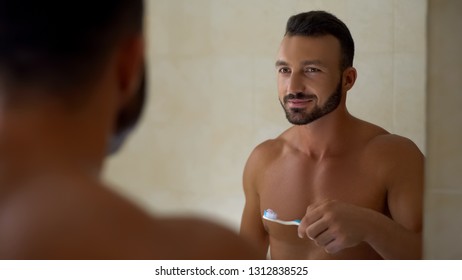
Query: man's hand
[335, 225]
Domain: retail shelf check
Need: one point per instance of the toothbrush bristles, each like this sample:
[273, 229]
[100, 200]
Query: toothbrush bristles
[270, 214]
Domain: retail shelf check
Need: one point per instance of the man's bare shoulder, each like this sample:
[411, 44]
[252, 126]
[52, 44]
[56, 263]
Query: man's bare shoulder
[393, 145]
[378, 140]
[272, 148]
[396, 154]
[378, 145]
[66, 219]
[85, 220]
[193, 238]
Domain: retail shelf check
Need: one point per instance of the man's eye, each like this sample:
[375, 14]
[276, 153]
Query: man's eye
[284, 70]
[312, 70]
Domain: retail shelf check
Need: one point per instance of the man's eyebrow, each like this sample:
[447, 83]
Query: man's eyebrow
[281, 63]
[312, 62]
[303, 63]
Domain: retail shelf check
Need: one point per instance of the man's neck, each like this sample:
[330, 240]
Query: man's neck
[32, 140]
[326, 136]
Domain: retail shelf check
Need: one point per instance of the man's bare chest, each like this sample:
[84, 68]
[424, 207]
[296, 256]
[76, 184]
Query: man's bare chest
[289, 186]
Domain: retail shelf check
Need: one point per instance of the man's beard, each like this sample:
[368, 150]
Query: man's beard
[298, 116]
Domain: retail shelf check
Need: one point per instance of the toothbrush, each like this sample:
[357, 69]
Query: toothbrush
[272, 216]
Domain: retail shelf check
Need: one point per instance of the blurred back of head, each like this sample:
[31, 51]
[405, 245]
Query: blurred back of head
[54, 45]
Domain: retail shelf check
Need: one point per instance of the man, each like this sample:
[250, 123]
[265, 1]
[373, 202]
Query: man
[70, 77]
[356, 188]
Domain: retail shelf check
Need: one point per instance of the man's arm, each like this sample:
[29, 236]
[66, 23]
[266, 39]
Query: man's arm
[402, 239]
[252, 227]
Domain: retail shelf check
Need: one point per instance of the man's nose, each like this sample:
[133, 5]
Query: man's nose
[295, 83]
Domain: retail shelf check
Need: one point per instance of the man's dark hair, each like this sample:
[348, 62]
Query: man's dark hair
[56, 43]
[320, 23]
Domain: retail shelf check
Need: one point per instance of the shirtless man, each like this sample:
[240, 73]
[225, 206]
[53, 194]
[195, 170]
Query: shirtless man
[70, 76]
[356, 188]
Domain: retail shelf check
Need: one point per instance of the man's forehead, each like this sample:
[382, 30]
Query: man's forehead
[323, 49]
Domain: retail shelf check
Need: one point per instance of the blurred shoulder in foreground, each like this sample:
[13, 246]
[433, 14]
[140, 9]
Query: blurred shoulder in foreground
[71, 90]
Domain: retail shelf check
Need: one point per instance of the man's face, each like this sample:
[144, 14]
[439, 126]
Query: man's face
[309, 77]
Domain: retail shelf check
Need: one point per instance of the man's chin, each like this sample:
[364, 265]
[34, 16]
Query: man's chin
[297, 121]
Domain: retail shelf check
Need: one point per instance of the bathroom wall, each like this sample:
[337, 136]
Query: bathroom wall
[443, 204]
[213, 98]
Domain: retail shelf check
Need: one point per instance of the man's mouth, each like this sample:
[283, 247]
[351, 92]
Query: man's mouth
[298, 100]
[299, 103]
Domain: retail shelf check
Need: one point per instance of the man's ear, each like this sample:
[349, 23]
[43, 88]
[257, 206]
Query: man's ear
[127, 118]
[131, 91]
[349, 78]
[130, 69]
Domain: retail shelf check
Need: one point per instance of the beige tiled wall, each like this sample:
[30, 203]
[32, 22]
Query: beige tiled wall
[443, 209]
[213, 93]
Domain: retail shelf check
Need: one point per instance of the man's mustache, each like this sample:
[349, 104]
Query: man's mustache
[299, 95]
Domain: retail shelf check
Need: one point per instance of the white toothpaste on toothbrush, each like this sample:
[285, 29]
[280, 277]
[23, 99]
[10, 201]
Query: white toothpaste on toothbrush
[270, 214]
